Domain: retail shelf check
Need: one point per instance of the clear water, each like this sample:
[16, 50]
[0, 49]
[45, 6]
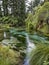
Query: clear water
[30, 47]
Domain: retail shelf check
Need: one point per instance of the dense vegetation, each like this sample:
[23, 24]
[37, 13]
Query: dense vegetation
[41, 55]
[39, 21]
[17, 19]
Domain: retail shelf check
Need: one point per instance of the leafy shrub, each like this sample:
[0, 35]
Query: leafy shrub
[41, 13]
[8, 56]
[8, 20]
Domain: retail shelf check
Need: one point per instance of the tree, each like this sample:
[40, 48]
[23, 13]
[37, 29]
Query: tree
[5, 7]
[30, 7]
[21, 10]
[18, 9]
[13, 6]
[33, 4]
[36, 3]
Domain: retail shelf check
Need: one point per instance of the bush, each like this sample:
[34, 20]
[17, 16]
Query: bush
[41, 13]
[8, 56]
[8, 20]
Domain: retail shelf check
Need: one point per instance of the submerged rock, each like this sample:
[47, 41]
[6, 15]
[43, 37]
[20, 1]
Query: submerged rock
[10, 41]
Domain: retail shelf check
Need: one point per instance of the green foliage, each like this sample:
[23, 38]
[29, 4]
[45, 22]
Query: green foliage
[44, 11]
[40, 56]
[8, 56]
[5, 7]
[21, 14]
[13, 11]
[36, 3]
[28, 21]
[8, 20]
[41, 13]
[32, 19]
[0, 12]
[1, 34]
[46, 0]
[32, 5]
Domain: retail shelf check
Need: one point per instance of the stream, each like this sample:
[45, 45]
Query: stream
[30, 44]
[30, 47]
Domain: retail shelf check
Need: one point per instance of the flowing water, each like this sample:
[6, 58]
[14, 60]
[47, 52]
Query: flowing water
[4, 34]
[30, 47]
